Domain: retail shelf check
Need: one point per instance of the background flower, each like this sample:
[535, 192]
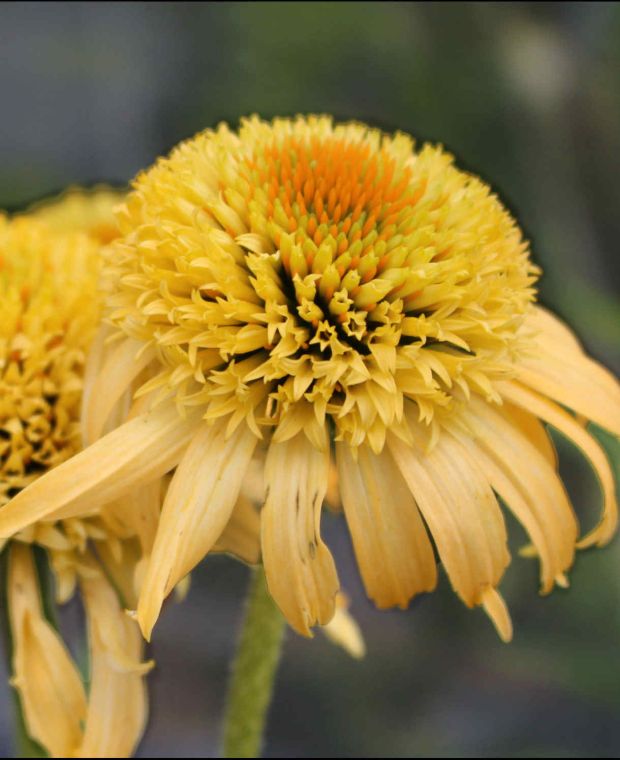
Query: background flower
[50, 308]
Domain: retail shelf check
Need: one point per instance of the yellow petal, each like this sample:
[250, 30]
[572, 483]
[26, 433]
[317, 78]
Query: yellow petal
[460, 509]
[117, 707]
[241, 536]
[197, 507]
[123, 364]
[567, 425]
[495, 607]
[138, 512]
[391, 544]
[96, 356]
[139, 451]
[344, 631]
[550, 329]
[528, 484]
[534, 430]
[121, 570]
[49, 685]
[561, 370]
[300, 570]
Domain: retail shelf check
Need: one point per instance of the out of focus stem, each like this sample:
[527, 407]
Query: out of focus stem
[253, 673]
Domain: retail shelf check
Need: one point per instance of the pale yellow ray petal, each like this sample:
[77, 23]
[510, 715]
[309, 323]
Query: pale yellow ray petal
[535, 431]
[117, 706]
[526, 481]
[570, 427]
[300, 570]
[460, 509]
[197, 507]
[241, 536]
[344, 631]
[495, 607]
[559, 369]
[139, 451]
[121, 367]
[122, 570]
[138, 512]
[551, 329]
[96, 356]
[49, 685]
[391, 543]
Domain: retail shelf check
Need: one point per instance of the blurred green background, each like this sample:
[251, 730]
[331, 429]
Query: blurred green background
[525, 94]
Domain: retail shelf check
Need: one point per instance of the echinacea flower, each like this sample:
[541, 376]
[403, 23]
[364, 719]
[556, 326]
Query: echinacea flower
[89, 210]
[326, 299]
[50, 307]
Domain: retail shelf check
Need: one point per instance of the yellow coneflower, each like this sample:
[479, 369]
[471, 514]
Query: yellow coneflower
[89, 210]
[50, 307]
[326, 296]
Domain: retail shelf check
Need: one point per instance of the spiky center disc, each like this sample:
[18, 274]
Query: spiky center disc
[300, 269]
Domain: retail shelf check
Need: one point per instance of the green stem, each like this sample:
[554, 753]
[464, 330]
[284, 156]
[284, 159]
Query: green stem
[253, 673]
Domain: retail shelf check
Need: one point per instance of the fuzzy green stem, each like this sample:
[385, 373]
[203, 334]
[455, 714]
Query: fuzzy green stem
[252, 678]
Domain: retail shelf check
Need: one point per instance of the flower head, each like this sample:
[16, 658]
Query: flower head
[50, 307]
[49, 311]
[301, 271]
[89, 210]
[318, 298]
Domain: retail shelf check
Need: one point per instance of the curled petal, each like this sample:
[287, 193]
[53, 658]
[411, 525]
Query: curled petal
[567, 425]
[561, 370]
[117, 705]
[49, 685]
[300, 570]
[198, 505]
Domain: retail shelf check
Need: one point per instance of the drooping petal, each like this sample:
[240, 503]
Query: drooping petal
[121, 367]
[97, 353]
[522, 475]
[137, 512]
[567, 425]
[197, 507]
[460, 509]
[391, 544]
[241, 536]
[550, 329]
[495, 607]
[344, 631]
[300, 570]
[121, 568]
[534, 430]
[139, 451]
[561, 370]
[49, 685]
[117, 705]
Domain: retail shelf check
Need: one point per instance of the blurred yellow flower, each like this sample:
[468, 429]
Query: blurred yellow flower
[90, 210]
[50, 307]
[323, 299]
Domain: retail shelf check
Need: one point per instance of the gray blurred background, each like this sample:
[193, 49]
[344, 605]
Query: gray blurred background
[525, 94]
